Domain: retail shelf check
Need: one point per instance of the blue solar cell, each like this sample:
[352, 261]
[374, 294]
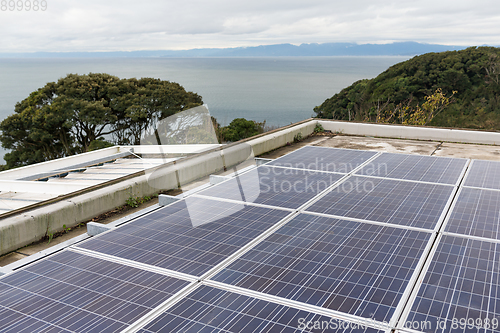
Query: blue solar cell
[462, 285]
[324, 159]
[280, 187]
[416, 167]
[71, 292]
[385, 200]
[191, 236]
[485, 174]
[356, 268]
[476, 213]
[208, 309]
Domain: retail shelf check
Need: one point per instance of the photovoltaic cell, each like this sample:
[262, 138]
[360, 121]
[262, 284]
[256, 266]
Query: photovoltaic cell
[280, 187]
[324, 159]
[71, 292]
[485, 174]
[190, 236]
[477, 213]
[356, 268]
[416, 167]
[209, 309]
[462, 283]
[385, 200]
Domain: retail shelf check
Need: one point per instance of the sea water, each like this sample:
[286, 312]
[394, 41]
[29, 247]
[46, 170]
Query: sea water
[278, 90]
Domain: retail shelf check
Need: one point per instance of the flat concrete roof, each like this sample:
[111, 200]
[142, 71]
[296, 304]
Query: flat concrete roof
[414, 147]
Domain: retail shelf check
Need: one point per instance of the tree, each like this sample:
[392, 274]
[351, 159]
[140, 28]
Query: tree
[64, 118]
[87, 101]
[217, 128]
[240, 128]
[37, 131]
[492, 68]
[99, 144]
[147, 101]
[405, 114]
[432, 106]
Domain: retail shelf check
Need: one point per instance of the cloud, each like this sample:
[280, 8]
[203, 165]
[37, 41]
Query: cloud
[131, 25]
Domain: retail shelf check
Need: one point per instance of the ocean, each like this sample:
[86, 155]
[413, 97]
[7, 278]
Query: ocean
[278, 90]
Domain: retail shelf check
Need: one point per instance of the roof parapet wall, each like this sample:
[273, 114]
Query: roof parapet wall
[412, 132]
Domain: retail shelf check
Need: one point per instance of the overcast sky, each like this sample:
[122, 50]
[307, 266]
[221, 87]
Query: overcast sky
[112, 25]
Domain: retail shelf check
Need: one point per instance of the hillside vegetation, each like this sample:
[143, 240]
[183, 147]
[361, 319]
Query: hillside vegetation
[447, 89]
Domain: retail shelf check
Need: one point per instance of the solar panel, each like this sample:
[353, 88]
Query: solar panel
[356, 268]
[460, 288]
[416, 167]
[71, 292]
[485, 174]
[384, 200]
[324, 159]
[476, 212]
[280, 187]
[209, 309]
[190, 236]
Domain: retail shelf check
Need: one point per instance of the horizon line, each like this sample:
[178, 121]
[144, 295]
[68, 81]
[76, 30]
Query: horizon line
[248, 47]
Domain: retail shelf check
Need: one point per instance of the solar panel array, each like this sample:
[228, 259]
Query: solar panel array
[319, 240]
[460, 285]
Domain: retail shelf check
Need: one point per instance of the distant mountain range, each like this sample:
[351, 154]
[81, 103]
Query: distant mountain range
[277, 50]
